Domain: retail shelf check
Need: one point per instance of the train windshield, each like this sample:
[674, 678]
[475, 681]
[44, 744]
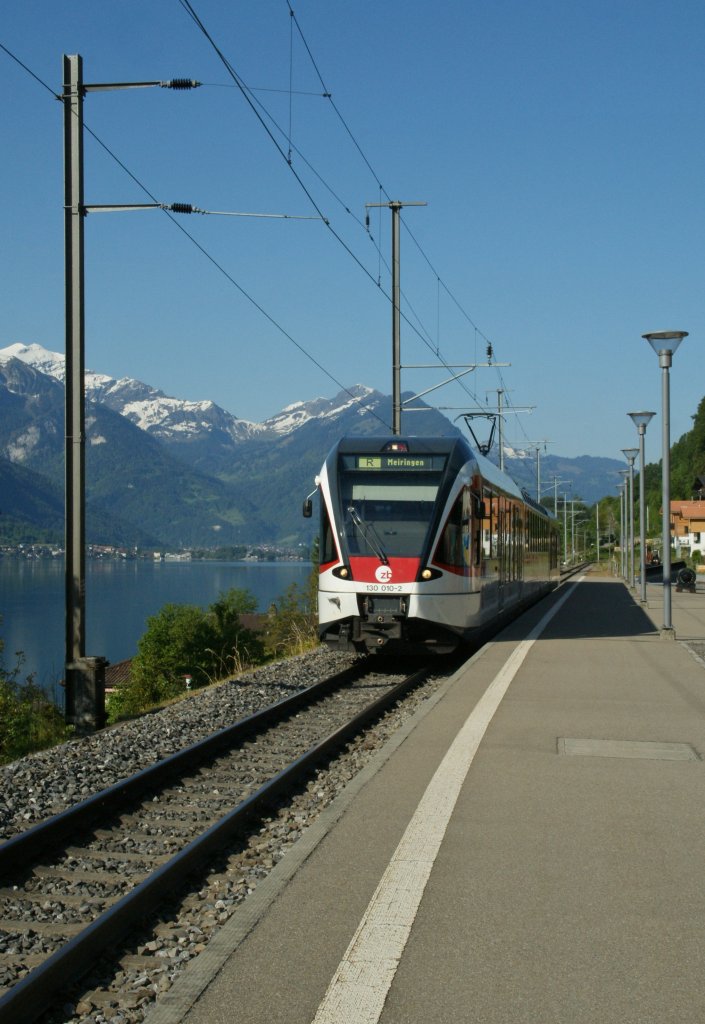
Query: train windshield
[387, 509]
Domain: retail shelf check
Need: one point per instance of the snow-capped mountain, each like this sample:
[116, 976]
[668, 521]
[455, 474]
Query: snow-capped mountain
[178, 469]
[295, 415]
[145, 406]
[179, 420]
[189, 473]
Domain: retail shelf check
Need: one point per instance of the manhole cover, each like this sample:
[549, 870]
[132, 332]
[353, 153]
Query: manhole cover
[651, 749]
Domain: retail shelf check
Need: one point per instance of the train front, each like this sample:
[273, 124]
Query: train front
[380, 506]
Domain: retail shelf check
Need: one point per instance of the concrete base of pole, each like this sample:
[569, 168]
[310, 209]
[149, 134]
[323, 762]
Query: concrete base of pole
[85, 694]
[668, 633]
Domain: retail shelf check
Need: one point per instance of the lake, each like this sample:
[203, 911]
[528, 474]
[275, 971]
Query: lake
[120, 596]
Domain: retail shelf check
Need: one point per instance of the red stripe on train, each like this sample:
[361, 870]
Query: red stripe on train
[371, 570]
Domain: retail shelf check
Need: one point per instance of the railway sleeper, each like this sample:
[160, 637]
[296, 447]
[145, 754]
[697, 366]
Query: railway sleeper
[47, 929]
[164, 835]
[29, 960]
[68, 900]
[76, 875]
[122, 856]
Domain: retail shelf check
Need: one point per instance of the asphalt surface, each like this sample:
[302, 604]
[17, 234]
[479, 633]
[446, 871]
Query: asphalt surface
[566, 884]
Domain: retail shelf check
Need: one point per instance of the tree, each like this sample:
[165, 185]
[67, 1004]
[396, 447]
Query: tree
[173, 646]
[292, 625]
[235, 645]
[29, 720]
[183, 640]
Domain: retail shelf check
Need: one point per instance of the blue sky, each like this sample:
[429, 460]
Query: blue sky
[558, 144]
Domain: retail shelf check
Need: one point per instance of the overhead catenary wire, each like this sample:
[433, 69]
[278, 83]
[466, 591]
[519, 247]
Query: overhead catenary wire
[167, 209]
[271, 319]
[420, 331]
[254, 104]
[327, 93]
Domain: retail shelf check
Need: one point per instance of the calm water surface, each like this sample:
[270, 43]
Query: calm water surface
[119, 598]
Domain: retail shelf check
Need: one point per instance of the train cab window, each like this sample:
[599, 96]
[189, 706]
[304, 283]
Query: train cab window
[399, 519]
[328, 552]
[453, 548]
[387, 513]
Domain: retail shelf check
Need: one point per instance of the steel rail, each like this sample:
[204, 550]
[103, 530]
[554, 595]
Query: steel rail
[25, 846]
[30, 996]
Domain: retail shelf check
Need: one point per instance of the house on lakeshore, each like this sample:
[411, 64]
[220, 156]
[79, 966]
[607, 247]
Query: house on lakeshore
[688, 523]
[117, 675]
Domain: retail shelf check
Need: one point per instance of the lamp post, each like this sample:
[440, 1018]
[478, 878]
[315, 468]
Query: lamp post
[624, 531]
[565, 528]
[664, 344]
[630, 455]
[641, 421]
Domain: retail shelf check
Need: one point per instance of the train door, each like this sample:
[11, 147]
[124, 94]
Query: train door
[490, 536]
[504, 533]
[517, 542]
[477, 510]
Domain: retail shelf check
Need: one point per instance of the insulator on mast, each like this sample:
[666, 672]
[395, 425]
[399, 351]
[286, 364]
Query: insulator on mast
[180, 83]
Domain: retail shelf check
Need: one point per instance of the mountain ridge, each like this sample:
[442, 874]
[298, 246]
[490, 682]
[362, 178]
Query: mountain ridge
[175, 472]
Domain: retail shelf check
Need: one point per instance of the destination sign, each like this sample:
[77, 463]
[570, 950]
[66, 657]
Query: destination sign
[395, 461]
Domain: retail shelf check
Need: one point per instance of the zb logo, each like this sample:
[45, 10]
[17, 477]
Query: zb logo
[383, 574]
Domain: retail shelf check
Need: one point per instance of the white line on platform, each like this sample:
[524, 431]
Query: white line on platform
[359, 988]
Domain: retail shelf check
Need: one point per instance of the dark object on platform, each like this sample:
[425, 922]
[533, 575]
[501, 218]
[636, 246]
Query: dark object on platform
[654, 572]
[686, 581]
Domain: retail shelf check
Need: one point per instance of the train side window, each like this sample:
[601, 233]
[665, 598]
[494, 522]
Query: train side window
[490, 525]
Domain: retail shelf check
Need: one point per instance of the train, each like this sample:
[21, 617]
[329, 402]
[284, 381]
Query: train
[424, 545]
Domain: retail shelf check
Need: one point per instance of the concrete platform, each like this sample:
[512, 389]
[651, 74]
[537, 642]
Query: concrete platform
[530, 849]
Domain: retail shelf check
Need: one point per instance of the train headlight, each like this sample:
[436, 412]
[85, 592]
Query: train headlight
[427, 574]
[342, 572]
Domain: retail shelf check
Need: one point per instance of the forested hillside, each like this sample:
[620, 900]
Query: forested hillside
[687, 463]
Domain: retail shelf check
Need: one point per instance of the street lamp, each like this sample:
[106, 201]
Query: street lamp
[630, 455]
[641, 421]
[620, 489]
[624, 530]
[664, 344]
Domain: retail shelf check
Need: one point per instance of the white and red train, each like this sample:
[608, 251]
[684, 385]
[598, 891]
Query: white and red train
[424, 543]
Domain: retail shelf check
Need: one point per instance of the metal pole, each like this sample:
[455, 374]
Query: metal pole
[396, 206]
[625, 530]
[501, 429]
[75, 394]
[631, 523]
[538, 474]
[621, 530]
[641, 420]
[665, 343]
[665, 363]
[642, 532]
[396, 342]
[630, 455]
[84, 677]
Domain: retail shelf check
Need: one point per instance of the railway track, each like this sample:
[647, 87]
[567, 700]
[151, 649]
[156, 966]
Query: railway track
[75, 885]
